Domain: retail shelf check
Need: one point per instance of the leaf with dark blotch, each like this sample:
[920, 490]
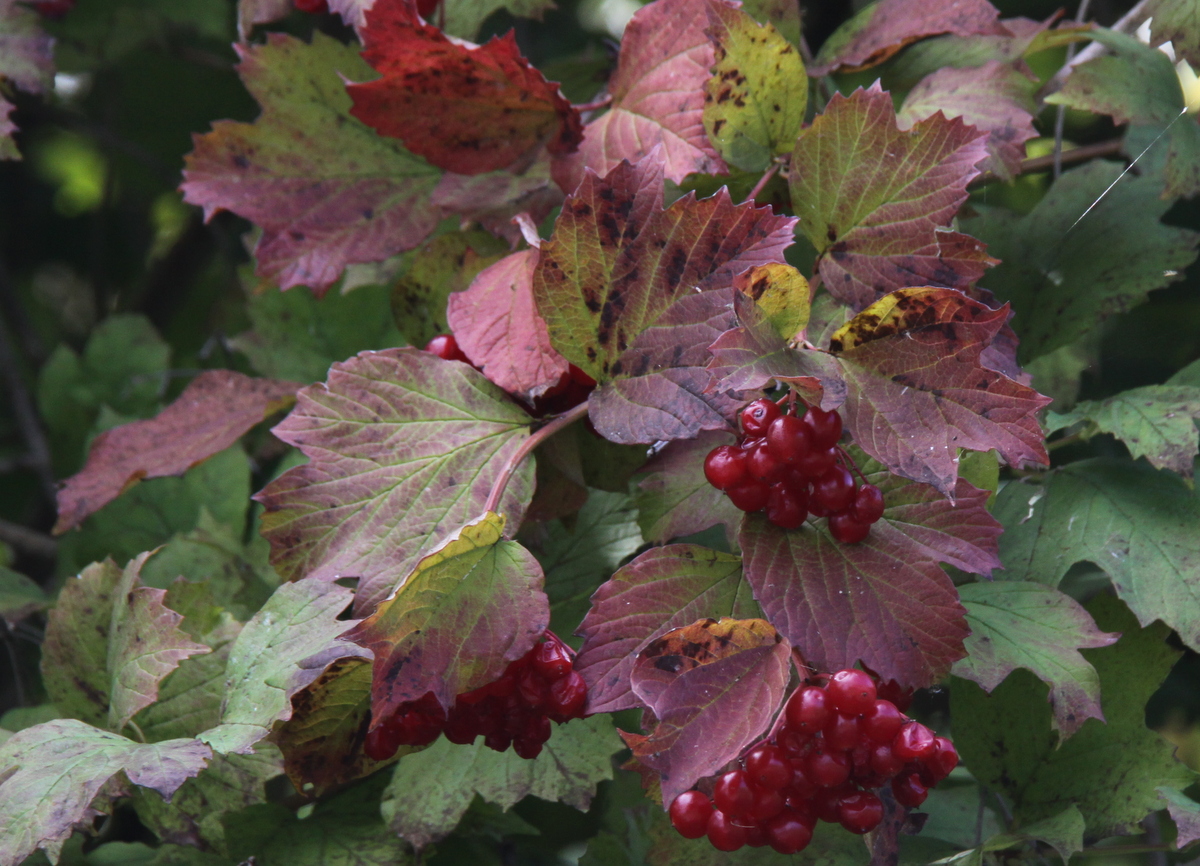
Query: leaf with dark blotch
[1034, 626]
[882, 29]
[884, 601]
[468, 110]
[1156, 422]
[675, 499]
[209, 416]
[498, 327]
[783, 294]
[326, 190]
[404, 448]
[916, 389]
[875, 200]
[661, 388]
[468, 609]
[657, 99]
[995, 97]
[57, 779]
[618, 260]
[715, 687]
[661, 590]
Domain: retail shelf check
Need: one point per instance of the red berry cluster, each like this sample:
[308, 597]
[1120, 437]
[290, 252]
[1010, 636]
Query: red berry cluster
[837, 741]
[538, 688]
[53, 9]
[790, 465]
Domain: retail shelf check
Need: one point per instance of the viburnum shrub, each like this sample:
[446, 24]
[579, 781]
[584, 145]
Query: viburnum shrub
[700, 426]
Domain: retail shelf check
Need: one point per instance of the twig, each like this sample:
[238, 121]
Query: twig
[1065, 440]
[1060, 116]
[602, 102]
[526, 448]
[763, 181]
[27, 419]
[1112, 147]
[1127, 22]
[10, 647]
[1127, 849]
[29, 540]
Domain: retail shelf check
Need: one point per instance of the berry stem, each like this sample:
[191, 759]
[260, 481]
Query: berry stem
[763, 181]
[849, 463]
[535, 439]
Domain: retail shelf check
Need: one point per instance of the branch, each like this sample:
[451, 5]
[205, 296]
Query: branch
[29, 540]
[1112, 147]
[27, 418]
[536, 439]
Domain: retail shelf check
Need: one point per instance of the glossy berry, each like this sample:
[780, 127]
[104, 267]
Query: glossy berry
[552, 659]
[567, 697]
[723, 833]
[883, 722]
[826, 427]
[868, 504]
[725, 467]
[789, 832]
[767, 804]
[842, 732]
[828, 768]
[851, 692]
[834, 490]
[884, 762]
[844, 528]
[768, 767]
[762, 466]
[908, 790]
[789, 438]
[808, 710]
[757, 417]
[750, 496]
[817, 462]
[938, 765]
[786, 508]
[446, 348]
[860, 812]
[733, 794]
[914, 742]
[690, 813]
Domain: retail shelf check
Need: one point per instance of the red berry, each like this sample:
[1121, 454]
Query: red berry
[733, 794]
[883, 723]
[785, 508]
[444, 345]
[826, 426]
[381, 742]
[794, 742]
[789, 438]
[938, 765]
[827, 768]
[851, 692]
[498, 741]
[827, 803]
[868, 504]
[789, 832]
[552, 658]
[53, 9]
[768, 767]
[750, 496]
[835, 489]
[861, 812]
[845, 529]
[756, 837]
[761, 465]
[909, 791]
[725, 467]
[884, 761]
[801, 788]
[532, 688]
[527, 748]
[767, 804]
[577, 376]
[897, 694]
[914, 742]
[567, 697]
[842, 733]
[817, 462]
[690, 813]
[723, 834]
[808, 710]
[425, 8]
[757, 417]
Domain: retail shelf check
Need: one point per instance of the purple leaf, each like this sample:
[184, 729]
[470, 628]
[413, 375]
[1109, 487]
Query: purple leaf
[675, 499]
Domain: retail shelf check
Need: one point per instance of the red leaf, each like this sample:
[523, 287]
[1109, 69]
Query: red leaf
[874, 199]
[662, 589]
[884, 601]
[657, 98]
[209, 416]
[714, 688]
[618, 260]
[498, 327]
[494, 198]
[467, 110]
[917, 391]
[880, 30]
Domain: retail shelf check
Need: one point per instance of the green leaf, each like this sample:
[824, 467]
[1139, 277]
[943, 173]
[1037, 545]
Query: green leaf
[465, 17]
[57, 776]
[431, 790]
[755, 101]
[1033, 626]
[675, 499]
[1063, 279]
[298, 622]
[19, 596]
[1109, 770]
[1175, 21]
[467, 610]
[1063, 832]
[1156, 422]
[1136, 523]
[1185, 812]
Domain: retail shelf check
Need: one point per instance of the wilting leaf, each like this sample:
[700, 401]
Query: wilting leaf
[663, 589]
[1030, 625]
[467, 110]
[876, 200]
[326, 190]
[404, 449]
[209, 416]
[469, 608]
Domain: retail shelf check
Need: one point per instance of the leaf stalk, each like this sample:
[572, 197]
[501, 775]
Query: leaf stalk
[535, 439]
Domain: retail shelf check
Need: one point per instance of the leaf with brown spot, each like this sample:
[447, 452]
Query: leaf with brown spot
[714, 687]
[468, 110]
[209, 416]
[781, 292]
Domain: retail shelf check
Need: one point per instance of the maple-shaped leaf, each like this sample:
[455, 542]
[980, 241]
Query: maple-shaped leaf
[883, 28]
[916, 390]
[875, 200]
[467, 110]
[657, 95]
[325, 189]
[713, 687]
[468, 609]
[1034, 626]
[618, 260]
[663, 589]
[996, 98]
[660, 388]
[675, 499]
[1177, 22]
[58, 776]
[253, 12]
[498, 327]
[884, 601]
[404, 448]
[754, 103]
[209, 416]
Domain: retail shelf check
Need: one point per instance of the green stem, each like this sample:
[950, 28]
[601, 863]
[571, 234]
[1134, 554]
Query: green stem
[535, 439]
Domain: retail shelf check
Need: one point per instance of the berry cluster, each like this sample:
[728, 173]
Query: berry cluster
[790, 466]
[837, 741]
[538, 688]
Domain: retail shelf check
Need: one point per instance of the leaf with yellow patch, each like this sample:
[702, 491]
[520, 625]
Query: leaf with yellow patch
[781, 292]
